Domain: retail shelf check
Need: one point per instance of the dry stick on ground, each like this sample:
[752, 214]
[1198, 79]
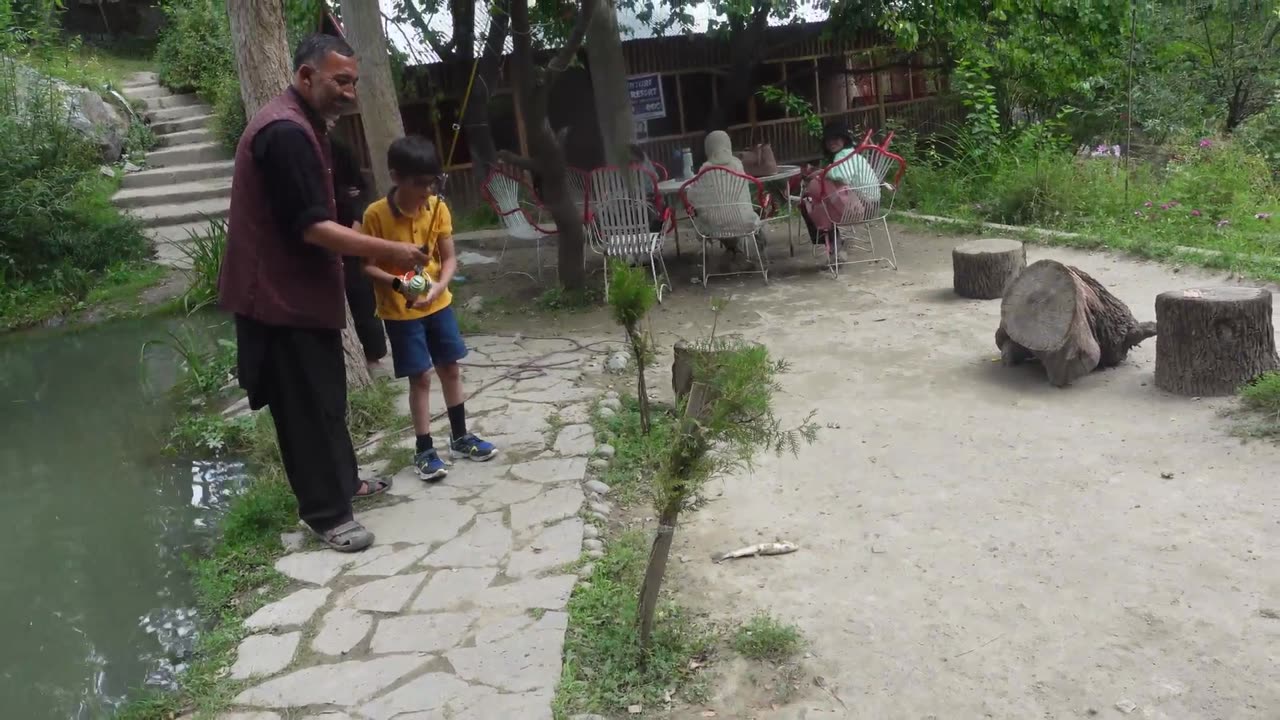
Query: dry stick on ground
[1067, 320]
[689, 445]
[982, 269]
[1213, 340]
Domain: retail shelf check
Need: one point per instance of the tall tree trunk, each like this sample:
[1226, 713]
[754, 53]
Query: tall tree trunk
[262, 65]
[262, 52]
[484, 151]
[379, 106]
[746, 48]
[609, 85]
[533, 88]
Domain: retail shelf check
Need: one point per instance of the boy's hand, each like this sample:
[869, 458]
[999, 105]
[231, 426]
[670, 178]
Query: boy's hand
[433, 294]
[404, 255]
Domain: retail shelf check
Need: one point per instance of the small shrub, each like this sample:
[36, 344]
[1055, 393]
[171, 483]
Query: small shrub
[763, 637]
[1263, 395]
[204, 252]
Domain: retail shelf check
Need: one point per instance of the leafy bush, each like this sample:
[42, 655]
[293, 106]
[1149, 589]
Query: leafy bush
[58, 229]
[204, 251]
[195, 54]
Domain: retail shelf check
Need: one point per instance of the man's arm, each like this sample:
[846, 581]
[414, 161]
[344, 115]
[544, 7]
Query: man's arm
[297, 190]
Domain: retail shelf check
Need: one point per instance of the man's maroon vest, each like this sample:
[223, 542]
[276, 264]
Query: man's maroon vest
[267, 274]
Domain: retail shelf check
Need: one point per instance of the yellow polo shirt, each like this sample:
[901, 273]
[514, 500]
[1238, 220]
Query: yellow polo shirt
[384, 220]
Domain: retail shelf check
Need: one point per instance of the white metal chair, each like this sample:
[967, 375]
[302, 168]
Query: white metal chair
[871, 177]
[723, 204]
[519, 209]
[623, 218]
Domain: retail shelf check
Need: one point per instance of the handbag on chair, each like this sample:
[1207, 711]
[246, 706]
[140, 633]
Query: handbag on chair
[758, 160]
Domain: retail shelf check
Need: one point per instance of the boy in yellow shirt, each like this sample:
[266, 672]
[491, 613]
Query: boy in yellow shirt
[421, 325]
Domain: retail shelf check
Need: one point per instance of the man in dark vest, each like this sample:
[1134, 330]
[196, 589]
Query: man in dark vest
[282, 279]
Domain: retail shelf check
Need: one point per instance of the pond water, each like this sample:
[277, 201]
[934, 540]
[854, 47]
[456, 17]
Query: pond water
[95, 598]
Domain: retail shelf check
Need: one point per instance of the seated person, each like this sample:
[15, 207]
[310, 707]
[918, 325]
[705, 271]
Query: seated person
[847, 193]
[720, 154]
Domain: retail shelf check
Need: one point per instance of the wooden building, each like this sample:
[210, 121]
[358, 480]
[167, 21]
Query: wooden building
[864, 81]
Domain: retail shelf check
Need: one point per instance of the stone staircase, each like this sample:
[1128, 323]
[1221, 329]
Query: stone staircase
[187, 180]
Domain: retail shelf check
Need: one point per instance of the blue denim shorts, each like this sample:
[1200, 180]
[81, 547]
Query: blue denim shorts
[418, 345]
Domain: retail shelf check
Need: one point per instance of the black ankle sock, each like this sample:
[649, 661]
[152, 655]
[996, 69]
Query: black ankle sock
[424, 442]
[458, 420]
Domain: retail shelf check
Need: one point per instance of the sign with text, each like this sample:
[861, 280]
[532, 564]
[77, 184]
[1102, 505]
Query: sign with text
[647, 102]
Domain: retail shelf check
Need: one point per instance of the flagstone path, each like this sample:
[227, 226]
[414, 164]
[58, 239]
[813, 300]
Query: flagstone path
[458, 610]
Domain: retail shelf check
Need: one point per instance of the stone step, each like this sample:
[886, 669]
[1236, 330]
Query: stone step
[185, 137]
[179, 234]
[179, 113]
[174, 194]
[187, 154]
[146, 92]
[200, 211]
[195, 122]
[156, 177]
[172, 101]
[141, 78]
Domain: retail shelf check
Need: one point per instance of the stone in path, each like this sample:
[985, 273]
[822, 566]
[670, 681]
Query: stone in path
[504, 493]
[449, 589]
[551, 471]
[557, 545]
[294, 609]
[526, 661]
[317, 567]
[344, 683]
[419, 523]
[486, 543]
[426, 695]
[575, 440]
[391, 563]
[551, 593]
[262, 655]
[555, 504]
[387, 595]
[340, 631]
[420, 633]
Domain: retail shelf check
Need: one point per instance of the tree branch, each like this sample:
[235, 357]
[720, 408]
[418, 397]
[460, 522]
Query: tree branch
[561, 61]
[519, 161]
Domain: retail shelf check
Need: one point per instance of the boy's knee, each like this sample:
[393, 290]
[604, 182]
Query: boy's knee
[452, 371]
[422, 380]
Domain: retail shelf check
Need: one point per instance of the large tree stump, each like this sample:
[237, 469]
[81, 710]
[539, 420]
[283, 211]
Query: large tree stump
[982, 269]
[1213, 340]
[1065, 319]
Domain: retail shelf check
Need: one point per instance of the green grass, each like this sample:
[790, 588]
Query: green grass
[24, 305]
[479, 218]
[630, 473]
[1259, 411]
[763, 637]
[604, 668]
[557, 299]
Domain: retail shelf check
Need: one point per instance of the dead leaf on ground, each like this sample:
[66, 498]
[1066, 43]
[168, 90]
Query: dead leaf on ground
[635, 709]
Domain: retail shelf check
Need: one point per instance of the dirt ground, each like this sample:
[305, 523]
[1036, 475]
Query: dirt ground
[976, 543]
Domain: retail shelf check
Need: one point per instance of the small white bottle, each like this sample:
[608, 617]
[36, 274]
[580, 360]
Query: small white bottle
[686, 163]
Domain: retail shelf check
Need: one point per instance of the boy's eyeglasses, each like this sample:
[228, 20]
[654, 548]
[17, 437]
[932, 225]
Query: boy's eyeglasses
[424, 182]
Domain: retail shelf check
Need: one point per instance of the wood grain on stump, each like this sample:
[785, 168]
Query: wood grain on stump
[982, 269]
[1064, 318]
[1213, 340]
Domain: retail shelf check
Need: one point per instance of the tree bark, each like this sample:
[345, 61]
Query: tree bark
[379, 104]
[609, 85]
[353, 356]
[746, 48]
[982, 269]
[1067, 320]
[533, 89]
[1213, 340]
[261, 50]
[688, 442]
[484, 151]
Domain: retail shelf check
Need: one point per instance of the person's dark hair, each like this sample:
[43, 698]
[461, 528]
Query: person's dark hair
[313, 49]
[637, 153]
[412, 156]
[838, 130]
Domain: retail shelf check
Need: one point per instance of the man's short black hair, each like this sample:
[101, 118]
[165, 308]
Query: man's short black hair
[413, 156]
[313, 49]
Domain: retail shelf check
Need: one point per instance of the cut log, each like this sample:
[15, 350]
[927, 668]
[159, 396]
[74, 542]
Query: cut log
[1065, 319]
[982, 269]
[1213, 340]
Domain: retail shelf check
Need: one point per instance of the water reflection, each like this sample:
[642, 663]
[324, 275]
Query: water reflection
[95, 598]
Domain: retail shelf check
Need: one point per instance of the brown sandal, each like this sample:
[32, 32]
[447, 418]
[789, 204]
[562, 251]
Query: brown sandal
[348, 537]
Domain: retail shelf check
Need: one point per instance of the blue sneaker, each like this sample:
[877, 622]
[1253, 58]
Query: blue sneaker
[429, 465]
[472, 447]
